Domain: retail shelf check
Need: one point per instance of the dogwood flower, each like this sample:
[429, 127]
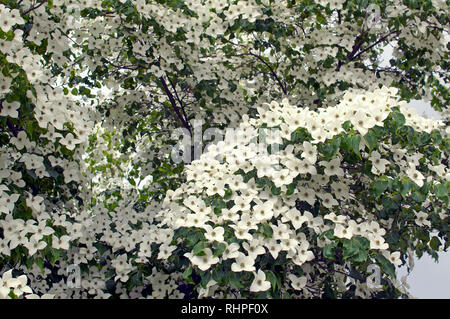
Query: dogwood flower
[341, 231]
[61, 242]
[298, 283]
[203, 262]
[231, 251]
[377, 242]
[295, 217]
[10, 109]
[415, 175]
[421, 219]
[378, 163]
[333, 167]
[214, 234]
[243, 263]
[259, 282]
[34, 245]
[20, 286]
[253, 248]
[274, 247]
[165, 251]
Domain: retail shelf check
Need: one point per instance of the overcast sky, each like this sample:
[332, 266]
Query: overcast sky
[429, 279]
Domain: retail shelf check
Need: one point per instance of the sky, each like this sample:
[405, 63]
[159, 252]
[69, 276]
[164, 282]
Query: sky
[428, 279]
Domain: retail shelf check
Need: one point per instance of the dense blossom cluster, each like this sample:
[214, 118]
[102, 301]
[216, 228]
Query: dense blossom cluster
[329, 183]
[91, 92]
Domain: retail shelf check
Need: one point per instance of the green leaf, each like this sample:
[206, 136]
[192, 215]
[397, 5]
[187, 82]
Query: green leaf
[219, 248]
[441, 192]
[351, 248]
[328, 251]
[328, 234]
[392, 237]
[198, 249]
[355, 141]
[371, 140]
[40, 262]
[378, 187]
[290, 189]
[187, 275]
[275, 190]
[435, 243]
[329, 150]
[405, 188]
[363, 242]
[206, 277]
[267, 230]
[235, 281]
[360, 257]
[272, 278]
[399, 119]
[389, 204]
[386, 266]
[418, 197]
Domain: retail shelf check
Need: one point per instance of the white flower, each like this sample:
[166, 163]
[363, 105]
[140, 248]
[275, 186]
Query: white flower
[214, 234]
[338, 219]
[10, 109]
[260, 283]
[375, 228]
[4, 292]
[203, 262]
[378, 163]
[333, 167]
[232, 251]
[362, 122]
[304, 254]
[7, 202]
[7, 279]
[69, 141]
[243, 263]
[20, 286]
[34, 245]
[5, 82]
[274, 247]
[61, 242]
[415, 175]
[294, 216]
[377, 242]
[253, 248]
[165, 251]
[263, 211]
[6, 24]
[421, 219]
[298, 283]
[327, 200]
[341, 231]
[394, 258]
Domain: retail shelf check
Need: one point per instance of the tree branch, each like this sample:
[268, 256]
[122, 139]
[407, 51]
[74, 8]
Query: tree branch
[174, 104]
[34, 8]
[180, 101]
[374, 44]
[283, 88]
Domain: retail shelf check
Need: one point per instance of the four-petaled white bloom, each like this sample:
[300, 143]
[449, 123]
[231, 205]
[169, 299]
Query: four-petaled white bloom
[260, 283]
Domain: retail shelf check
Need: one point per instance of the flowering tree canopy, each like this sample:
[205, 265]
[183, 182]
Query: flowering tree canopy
[315, 177]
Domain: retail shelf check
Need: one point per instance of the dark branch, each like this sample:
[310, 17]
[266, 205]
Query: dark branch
[374, 44]
[283, 88]
[34, 8]
[180, 101]
[174, 104]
